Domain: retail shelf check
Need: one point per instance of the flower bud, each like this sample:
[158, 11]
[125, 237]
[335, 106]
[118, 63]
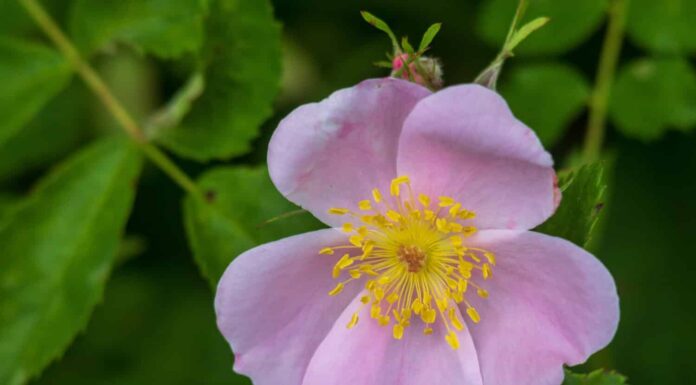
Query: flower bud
[423, 70]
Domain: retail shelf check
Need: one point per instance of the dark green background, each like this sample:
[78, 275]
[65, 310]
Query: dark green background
[156, 323]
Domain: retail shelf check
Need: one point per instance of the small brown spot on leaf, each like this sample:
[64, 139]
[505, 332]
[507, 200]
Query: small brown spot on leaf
[598, 207]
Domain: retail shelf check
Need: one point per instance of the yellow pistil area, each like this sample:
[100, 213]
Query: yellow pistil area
[411, 252]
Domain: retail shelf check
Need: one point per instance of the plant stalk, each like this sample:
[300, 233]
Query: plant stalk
[102, 91]
[599, 100]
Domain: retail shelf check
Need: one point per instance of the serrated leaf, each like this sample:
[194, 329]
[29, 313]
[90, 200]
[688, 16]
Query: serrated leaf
[521, 34]
[662, 26]
[565, 32]
[547, 97]
[582, 200]
[58, 247]
[651, 96]
[242, 75]
[240, 201]
[30, 74]
[165, 28]
[428, 36]
[598, 377]
[53, 132]
[381, 25]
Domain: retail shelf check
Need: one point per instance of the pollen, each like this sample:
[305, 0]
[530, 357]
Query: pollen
[411, 254]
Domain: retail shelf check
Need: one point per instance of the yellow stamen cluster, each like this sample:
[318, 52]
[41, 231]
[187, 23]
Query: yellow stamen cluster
[412, 255]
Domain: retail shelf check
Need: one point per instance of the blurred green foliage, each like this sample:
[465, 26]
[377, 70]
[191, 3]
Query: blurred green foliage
[241, 209]
[654, 95]
[222, 58]
[547, 96]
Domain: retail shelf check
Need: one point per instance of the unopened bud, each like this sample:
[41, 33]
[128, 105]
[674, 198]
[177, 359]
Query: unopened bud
[422, 70]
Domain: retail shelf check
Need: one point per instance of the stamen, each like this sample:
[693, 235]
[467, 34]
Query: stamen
[377, 195]
[338, 211]
[415, 261]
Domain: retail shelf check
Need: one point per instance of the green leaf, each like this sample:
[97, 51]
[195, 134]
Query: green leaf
[583, 192]
[150, 316]
[521, 34]
[547, 97]
[240, 202]
[242, 75]
[662, 26]
[7, 202]
[381, 25]
[428, 36]
[55, 131]
[653, 95]
[408, 48]
[31, 75]
[165, 28]
[565, 32]
[598, 377]
[15, 21]
[58, 247]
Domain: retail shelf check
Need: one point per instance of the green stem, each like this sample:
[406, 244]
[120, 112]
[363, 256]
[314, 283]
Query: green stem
[608, 61]
[519, 14]
[489, 76]
[102, 91]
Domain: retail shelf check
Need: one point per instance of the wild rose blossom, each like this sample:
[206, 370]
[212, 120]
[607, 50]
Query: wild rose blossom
[429, 274]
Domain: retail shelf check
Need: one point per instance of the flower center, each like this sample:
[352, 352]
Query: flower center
[412, 255]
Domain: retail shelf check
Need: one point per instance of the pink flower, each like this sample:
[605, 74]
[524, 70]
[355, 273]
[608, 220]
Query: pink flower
[433, 275]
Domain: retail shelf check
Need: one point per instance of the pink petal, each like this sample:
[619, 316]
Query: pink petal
[550, 303]
[369, 355]
[333, 153]
[464, 142]
[273, 306]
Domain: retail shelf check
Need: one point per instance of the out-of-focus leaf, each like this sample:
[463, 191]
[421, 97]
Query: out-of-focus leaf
[240, 202]
[7, 202]
[58, 247]
[130, 247]
[647, 244]
[30, 75]
[653, 95]
[15, 21]
[583, 191]
[153, 321]
[665, 26]
[166, 28]
[571, 23]
[547, 97]
[56, 130]
[598, 377]
[242, 75]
